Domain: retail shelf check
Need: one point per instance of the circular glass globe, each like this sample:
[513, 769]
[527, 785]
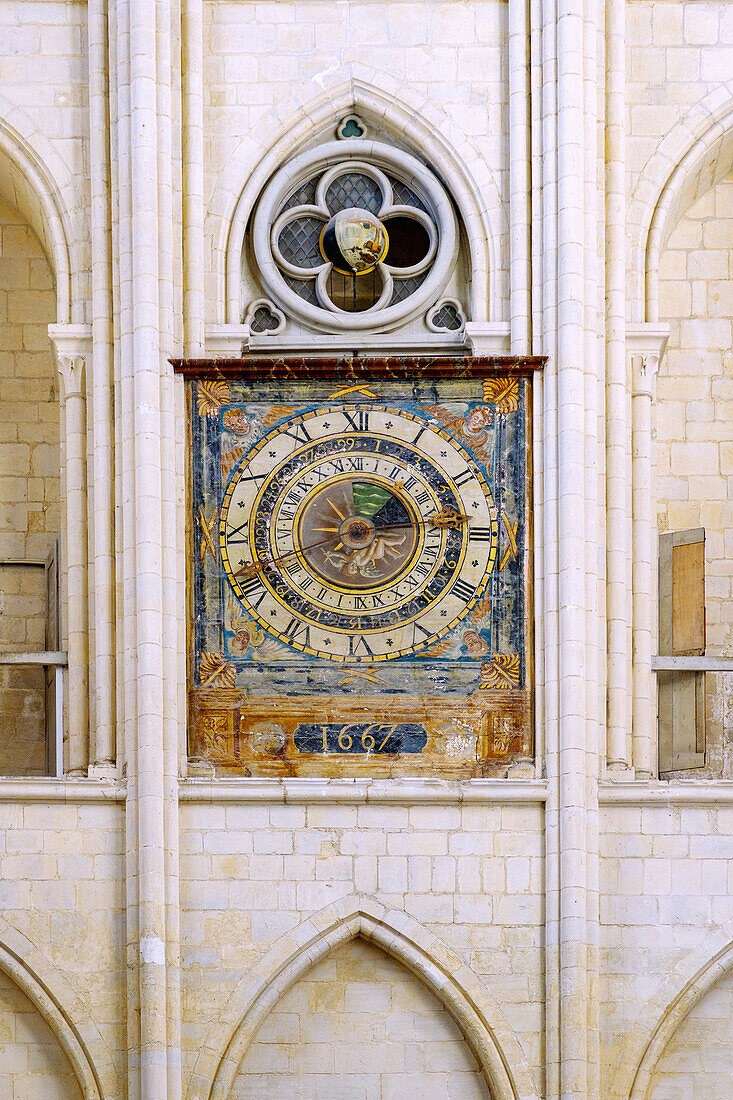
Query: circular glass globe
[354, 241]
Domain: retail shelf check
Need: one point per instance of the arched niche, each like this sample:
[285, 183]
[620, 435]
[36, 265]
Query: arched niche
[691, 158]
[28, 185]
[359, 1023]
[30, 486]
[455, 986]
[385, 106]
[64, 1016]
[32, 1062]
[697, 1061]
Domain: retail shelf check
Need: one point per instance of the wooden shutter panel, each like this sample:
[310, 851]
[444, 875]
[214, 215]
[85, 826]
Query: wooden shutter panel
[681, 695]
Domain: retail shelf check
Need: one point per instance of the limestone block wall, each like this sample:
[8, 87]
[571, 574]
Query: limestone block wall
[471, 875]
[694, 413]
[30, 510]
[697, 1062]
[676, 53]
[666, 902]
[266, 64]
[29, 411]
[359, 1025]
[62, 890]
[31, 1061]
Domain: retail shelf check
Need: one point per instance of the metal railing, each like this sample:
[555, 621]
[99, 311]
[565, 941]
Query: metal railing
[55, 659]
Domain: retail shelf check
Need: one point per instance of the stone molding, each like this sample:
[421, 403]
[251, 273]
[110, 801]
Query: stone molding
[663, 1014]
[358, 792]
[449, 978]
[645, 347]
[63, 1011]
[488, 337]
[72, 345]
[678, 155]
[39, 184]
[393, 106]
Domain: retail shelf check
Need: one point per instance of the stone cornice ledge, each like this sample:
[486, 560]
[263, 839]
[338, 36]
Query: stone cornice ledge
[373, 792]
[61, 790]
[696, 792]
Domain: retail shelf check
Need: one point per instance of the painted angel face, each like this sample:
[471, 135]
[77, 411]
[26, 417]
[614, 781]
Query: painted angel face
[234, 420]
[475, 645]
[479, 419]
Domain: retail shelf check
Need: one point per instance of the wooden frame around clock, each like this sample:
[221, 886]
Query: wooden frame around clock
[265, 698]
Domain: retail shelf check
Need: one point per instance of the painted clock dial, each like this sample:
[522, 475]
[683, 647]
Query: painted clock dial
[358, 533]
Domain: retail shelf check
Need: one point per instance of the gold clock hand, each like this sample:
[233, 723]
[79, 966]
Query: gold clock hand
[445, 518]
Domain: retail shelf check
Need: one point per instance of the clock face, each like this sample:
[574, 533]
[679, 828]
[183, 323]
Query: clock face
[358, 533]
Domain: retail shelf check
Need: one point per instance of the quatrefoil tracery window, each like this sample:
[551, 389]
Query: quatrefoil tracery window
[398, 195]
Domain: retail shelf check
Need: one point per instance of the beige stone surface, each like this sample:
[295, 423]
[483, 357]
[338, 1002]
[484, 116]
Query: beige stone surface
[582, 943]
[360, 1026]
[32, 1064]
[694, 418]
[696, 1063]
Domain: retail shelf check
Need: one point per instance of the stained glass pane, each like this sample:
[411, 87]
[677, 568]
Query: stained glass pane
[298, 242]
[353, 189]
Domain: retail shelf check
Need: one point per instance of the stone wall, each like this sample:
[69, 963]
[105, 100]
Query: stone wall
[696, 1064]
[666, 892]
[471, 875]
[360, 1026]
[694, 414]
[32, 1064]
[62, 894]
[30, 513]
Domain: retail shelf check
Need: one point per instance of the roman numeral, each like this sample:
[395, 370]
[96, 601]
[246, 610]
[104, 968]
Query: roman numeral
[249, 584]
[359, 419]
[419, 433]
[464, 591]
[298, 432]
[479, 534]
[425, 634]
[257, 478]
[294, 629]
[355, 463]
[236, 531]
[357, 642]
[464, 477]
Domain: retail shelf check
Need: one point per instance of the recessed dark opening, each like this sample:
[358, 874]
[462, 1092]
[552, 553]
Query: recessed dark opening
[408, 241]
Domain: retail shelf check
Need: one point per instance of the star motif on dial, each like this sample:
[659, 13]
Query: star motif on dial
[240, 503]
[326, 641]
[388, 424]
[475, 504]
[273, 613]
[326, 424]
[390, 642]
[443, 613]
[474, 563]
[443, 454]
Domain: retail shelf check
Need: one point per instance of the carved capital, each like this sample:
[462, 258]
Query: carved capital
[72, 369]
[72, 345]
[645, 346]
[644, 368]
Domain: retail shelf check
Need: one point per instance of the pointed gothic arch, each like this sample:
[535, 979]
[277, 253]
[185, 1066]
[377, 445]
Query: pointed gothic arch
[690, 159]
[41, 189]
[664, 1013]
[63, 1011]
[446, 975]
[394, 108]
